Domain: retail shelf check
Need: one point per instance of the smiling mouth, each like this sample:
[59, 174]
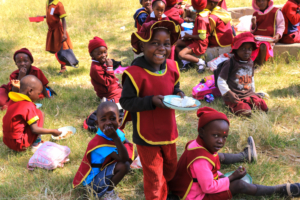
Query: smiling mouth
[160, 55]
[218, 148]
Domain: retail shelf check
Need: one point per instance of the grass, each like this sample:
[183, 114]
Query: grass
[276, 133]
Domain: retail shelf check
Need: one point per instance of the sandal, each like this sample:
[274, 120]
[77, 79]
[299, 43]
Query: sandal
[293, 190]
[252, 154]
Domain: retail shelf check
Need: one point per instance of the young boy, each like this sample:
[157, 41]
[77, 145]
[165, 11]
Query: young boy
[102, 74]
[221, 31]
[154, 125]
[291, 13]
[23, 122]
[23, 59]
[236, 82]
[108, 156]
[141, 14]
[198, 177]
[173, 12]
[158, 7]
[196, 43]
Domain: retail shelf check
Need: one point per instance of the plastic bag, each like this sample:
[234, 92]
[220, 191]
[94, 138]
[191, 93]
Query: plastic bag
[245, 23]
[213, 64]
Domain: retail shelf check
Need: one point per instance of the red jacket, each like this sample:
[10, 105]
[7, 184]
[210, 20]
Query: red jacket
[291, 18]
[173, 14]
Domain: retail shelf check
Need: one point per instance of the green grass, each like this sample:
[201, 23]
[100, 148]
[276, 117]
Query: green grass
[276, 133]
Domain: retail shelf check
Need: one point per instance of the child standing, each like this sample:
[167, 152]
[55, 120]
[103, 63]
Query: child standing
[108, 156]
[23, 122]
[158, 7]
[141, 14]
[236, 81]
[198, 42]
[154, 125]
[291, 13]
[102, 74]
[267, 21]
[198, 177]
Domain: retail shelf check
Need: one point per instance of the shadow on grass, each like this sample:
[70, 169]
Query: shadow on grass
[293, 90]
[6, 45]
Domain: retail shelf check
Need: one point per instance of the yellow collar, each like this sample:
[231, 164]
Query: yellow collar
[204, 13]
[222, 14]
[54, 2]
[16, 97]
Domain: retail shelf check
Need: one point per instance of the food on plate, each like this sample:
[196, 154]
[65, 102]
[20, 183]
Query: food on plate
[183, 102]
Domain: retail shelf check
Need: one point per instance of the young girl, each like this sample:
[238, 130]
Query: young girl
[267, 21]
[236, 81]
[198, 177]
[23, 59]
[142, 97]
[141, 14]
[158, 7]
[196, 43]
[57, 29]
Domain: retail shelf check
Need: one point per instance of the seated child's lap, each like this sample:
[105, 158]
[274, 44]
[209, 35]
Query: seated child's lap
[247, 104]
[198, 46]
[222, 195]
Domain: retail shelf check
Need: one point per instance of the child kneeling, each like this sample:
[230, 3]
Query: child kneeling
[236, 79]
[108, 156]
[198, 176]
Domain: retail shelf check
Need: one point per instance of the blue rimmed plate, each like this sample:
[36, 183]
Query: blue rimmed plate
[167, 102]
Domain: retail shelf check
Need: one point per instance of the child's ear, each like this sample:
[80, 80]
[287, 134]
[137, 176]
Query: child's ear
[120, 121]
[201, 132]
[96, 122]
[141, 44]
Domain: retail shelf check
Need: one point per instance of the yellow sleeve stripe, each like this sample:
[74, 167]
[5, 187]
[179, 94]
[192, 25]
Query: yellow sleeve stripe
[62, 16]
[201, 31]
[34, 119]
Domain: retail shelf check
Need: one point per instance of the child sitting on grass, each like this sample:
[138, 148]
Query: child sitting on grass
[141, 14]
[198, 177]
[267, 20]
[158, 7]
[108, 156]
[23, 59]
[236, 81]
[196, 43]
[23, 122]
[173, 12]
[102, 74]
[145, 84]
[291, 13]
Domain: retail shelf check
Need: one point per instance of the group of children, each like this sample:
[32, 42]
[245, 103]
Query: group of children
[109, 154]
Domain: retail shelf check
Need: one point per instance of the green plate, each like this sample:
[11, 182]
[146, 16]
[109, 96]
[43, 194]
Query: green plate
[247, 178]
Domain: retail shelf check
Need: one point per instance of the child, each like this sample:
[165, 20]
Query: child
[23, 59]
[236, 82]
[141, 14]
[154, 125]
[198, 42]
[198, 176]
[291, 13]
[102, 74]
[266, 21]
[57, 33]
[221, 31]
[23, 122]
[173, 12]
[108, 156]
[158, 7]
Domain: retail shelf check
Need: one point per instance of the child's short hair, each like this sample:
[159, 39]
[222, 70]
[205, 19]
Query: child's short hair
[207, 114]
[95, 43]
[154, 1]
[242, 38]
[107, 104]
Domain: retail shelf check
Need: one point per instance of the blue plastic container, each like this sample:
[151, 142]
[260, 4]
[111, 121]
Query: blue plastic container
[187, 26]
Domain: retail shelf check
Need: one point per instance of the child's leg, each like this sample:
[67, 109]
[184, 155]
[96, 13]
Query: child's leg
[121, 169]
[63, 68]
[3, 97]
[186, 55]
[169, 153]
[242, 108]
[261, 57]
[258, 103]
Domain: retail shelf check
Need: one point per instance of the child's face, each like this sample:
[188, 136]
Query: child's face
[211, 5]
[146, 3]
[214, 135]
[262, 4]
[33, 93]
[158, 9]
[100, 54]
[23, 61]
[158, 48]
[245, 51]
[108, 116]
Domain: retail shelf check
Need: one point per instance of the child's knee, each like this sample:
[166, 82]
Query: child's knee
[124, 167]
[240, 186]
[263, 48]
[181, 55]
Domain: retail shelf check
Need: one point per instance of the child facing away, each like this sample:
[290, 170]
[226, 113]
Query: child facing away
[108, 155]
[267, 20]
[23, 59]
[57, 35]
[158, 7]
[154, 125]
[196, 43]
[173, 12]
[236, 79]
[23, 122]
[291, 13]
[105, 83]
[141, 14]
[198, 177]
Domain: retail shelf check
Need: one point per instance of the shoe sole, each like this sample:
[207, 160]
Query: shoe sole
[252, 148]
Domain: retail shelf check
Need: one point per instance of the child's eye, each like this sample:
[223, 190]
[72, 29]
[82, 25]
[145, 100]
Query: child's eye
[155, 43]
[225, 137]
[113, 119]
[167, 44]
[103, 120]
[216, 136]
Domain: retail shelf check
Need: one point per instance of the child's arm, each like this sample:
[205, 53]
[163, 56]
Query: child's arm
[177, 91]
[64, 37]
[253, 24]
[45, 93]
[293, 15]
[104, 77]
[280, 26]
[200, 26]
[42, 131]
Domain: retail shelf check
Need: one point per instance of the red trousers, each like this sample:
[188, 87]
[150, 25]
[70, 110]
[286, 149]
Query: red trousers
[247, 104]
[291, 38]
[115, 95]
[159, 167]
[218, 196]
[3, 97]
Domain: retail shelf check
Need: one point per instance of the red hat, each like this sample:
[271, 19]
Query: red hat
[95, 43]
[164, 1]
[26, 51]
[215, 1]
[242, 38]
[199, 4]
[171, 2]
[207, 114]
[146, 32]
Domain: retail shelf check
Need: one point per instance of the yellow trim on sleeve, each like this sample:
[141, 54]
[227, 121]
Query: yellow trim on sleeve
[62, 16]
[141, 13]
[201, 31]
[178, 73]
[54, 2]
[275, 22]
[204, 13]
[16, 97]
[133, 82]
[32, 120]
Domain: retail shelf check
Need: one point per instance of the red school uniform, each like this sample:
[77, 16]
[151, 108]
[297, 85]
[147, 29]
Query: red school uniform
[173, 13]
[21, 113]
[265, 23]
[54, 12]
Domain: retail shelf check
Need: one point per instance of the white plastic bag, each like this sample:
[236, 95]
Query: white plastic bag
[49, 156]
[245, 23]
[213, 64]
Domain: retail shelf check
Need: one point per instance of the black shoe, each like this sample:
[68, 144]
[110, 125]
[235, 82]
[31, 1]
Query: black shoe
[292, 190]
[185, 67]
[200, 71]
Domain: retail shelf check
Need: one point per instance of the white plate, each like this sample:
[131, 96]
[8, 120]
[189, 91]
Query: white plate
[264, 38]
[64, 131]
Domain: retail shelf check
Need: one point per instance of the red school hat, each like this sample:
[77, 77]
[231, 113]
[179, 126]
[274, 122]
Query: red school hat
[242, 38]
[199, 4]
[146, 32]
[26, 51]
[207, 114]
[164, 1]
[95, 43]
[171, 2]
